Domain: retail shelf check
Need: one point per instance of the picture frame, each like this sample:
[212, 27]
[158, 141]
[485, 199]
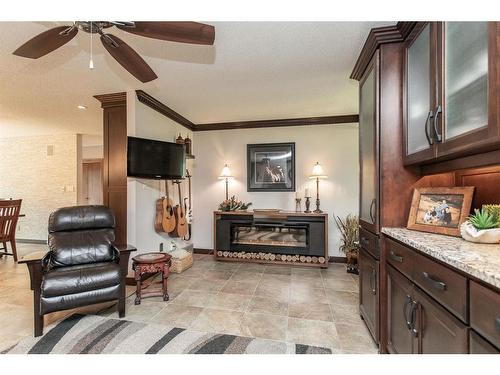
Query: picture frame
[271, 167]
[440, 209]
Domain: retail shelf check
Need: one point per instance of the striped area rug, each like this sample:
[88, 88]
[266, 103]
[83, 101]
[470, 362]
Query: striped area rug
[91, 334]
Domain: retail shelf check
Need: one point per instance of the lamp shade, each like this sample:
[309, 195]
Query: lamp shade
[318, 171]
[226, 172]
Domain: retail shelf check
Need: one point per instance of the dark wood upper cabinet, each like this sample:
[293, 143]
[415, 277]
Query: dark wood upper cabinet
[368, 144]
[450, 91]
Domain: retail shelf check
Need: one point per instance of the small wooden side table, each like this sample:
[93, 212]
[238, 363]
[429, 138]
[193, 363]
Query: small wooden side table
[151, 263]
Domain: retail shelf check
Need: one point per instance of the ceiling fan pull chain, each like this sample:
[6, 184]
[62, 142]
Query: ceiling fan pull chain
[91, 62]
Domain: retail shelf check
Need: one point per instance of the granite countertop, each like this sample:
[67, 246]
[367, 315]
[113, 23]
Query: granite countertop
[479, 260]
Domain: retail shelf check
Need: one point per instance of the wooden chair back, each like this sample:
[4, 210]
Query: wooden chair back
[9, 214]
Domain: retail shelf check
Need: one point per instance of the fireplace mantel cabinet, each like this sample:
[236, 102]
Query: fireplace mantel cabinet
[272, 237]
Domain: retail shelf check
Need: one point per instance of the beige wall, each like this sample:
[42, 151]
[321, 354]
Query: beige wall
[142, 194]
[334, 146]
[44, 182]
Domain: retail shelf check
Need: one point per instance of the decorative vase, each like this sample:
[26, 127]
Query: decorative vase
[471, 234]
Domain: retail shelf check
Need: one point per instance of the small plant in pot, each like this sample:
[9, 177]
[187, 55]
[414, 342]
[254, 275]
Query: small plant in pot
[349, 230]
[232, 204]
[483, 226]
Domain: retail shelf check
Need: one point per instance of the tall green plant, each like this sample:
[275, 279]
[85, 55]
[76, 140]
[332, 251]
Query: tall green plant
[349, 230]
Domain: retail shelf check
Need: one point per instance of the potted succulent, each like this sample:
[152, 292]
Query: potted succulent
[232, 204]
[349, 230]
[483, 226]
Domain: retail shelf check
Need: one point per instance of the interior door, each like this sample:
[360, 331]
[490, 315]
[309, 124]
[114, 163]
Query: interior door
[399, 296]
[368, 291]
[467, 80]
[419, 94]
[438, 331]
[368, 146]
[92, 184]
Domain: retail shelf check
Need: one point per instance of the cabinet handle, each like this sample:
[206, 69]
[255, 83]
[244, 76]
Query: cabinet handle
[427, 128]
[439, 137]
[372, 205]
[414, 310]
[435, 283]
[408, 302]
[365, 241]
[395, 257]
[373, 281]
[497, 324]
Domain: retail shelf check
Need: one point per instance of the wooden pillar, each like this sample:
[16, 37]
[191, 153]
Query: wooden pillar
[115, 159]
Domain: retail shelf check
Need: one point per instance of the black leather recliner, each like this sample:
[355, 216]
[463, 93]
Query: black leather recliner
[83, 266]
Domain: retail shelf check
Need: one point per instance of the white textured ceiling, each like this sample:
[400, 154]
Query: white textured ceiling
[255, 70]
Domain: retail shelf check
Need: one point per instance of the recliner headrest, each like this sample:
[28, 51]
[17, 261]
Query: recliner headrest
[80, 218]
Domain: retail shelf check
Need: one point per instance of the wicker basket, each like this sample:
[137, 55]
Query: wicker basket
[179, 265]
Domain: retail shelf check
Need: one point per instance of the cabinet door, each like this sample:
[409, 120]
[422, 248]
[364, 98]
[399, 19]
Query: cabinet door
[438, 331]
[399, 297]
[419, 94]
[467, 86]
[368, 144]
[368, 291]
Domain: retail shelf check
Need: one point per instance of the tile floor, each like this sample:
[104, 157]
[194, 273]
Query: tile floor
[302, 305]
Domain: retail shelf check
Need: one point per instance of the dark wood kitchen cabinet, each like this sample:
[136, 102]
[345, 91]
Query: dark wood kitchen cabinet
[450, 97]
[399, 302]
[368, 291]
[417, 324]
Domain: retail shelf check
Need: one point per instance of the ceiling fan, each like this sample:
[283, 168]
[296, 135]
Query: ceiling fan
[183, 32]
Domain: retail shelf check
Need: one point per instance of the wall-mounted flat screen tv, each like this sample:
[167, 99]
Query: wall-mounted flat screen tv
[147, 158]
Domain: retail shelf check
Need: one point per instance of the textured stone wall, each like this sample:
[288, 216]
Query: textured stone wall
[44, 182]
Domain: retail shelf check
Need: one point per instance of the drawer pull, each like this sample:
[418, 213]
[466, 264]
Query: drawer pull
[395, 257]
[373, 281]
[435, 283]
[497, 324]
[365, 241]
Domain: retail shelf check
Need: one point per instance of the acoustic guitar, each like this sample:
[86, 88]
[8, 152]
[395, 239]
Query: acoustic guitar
[168, 218]
[159, 215]
[181, 226]
[187, 207]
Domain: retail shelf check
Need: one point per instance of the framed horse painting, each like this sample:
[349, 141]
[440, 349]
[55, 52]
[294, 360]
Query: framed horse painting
[271, 167]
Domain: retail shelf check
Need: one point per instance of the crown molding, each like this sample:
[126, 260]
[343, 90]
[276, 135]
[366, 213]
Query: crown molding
[158, 106]
[116, 99]
[325, 120]
[377, 37]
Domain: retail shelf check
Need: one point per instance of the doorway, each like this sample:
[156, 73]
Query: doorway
[92, 180]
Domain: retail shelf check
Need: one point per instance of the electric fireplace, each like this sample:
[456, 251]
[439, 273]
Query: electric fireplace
[293, 236]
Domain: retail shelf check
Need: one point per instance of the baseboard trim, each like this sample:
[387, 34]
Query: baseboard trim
[22, 240]
[337, 260]
[198, 250]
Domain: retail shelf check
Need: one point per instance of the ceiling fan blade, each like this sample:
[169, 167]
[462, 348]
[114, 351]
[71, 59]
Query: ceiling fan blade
[184, 32]
[46, 42]
[128, 58]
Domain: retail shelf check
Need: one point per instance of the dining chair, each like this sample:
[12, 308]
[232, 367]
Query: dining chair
[9, 213]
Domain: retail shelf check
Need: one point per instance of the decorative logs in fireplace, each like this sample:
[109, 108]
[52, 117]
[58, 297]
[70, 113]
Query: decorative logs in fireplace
[272, 257]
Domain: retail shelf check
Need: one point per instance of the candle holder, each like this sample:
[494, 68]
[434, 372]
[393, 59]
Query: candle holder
[298, 207]
[308, 205]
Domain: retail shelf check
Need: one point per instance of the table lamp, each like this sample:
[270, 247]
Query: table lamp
[317, 173]
[226, 175]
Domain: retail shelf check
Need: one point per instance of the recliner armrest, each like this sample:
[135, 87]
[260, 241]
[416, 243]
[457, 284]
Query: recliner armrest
[124, 255]
[37, 263]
